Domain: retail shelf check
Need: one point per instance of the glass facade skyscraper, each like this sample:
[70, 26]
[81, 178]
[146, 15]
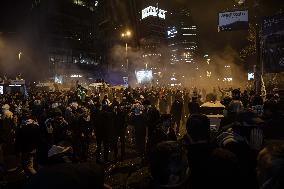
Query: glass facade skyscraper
[182, 38]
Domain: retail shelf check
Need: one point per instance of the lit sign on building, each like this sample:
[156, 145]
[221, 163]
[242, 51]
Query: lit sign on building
[153, 11]
[250, 76]
[76, 76]
[144, 76]
[82, 3]
[1, 90]
[172, 32]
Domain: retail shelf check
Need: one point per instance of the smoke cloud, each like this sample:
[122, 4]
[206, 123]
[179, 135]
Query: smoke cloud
[223, 66]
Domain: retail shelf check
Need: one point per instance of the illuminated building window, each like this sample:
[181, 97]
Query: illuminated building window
[91, 5]
[79, 2]
[189, 34]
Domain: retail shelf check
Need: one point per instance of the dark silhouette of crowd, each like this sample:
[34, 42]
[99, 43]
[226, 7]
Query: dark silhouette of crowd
[46, 139]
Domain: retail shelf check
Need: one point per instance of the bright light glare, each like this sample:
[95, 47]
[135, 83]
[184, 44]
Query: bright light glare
[229, 79]
[126, 34]
[20, 55]
[76, 76]
[144, 76]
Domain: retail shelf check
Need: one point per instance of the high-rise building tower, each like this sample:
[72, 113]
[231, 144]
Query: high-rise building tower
[68, 33]
[182, 38]
[152, 38]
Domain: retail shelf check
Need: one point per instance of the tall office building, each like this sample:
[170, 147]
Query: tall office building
[182, 38]
[152, 37]
[68, 33]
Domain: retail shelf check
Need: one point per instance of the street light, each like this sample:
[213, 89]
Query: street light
[20, 55]
[126, 35]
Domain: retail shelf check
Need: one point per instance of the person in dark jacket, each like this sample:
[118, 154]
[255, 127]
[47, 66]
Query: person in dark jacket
[60, 127]
[105, 102]
[193, 106]
[69, 176]
[270, 166]
[177, 111]
[84, 130]
[197, 143]
[139, 121]
[104, 131]
[244, 138]
[163, 105]
[245, 99]
[169, 166]
[120, 124]
[27, 140]
[7, 132]
[163, 131]
[152, 116]
[273, 129]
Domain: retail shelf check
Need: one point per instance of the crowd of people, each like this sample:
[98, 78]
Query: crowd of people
[45, 138]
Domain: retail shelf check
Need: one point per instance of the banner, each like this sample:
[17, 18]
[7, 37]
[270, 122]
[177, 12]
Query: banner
[273, 43]
[18, 82]
[125, 81]
[1, 89]
[236, 20]
[144, 76]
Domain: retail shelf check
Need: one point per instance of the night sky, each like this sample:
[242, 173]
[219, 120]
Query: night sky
[204, 14]
[13, 13]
